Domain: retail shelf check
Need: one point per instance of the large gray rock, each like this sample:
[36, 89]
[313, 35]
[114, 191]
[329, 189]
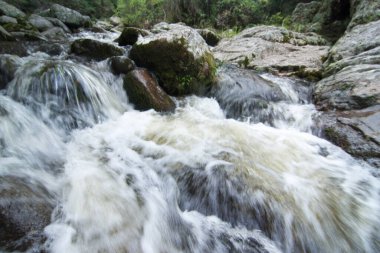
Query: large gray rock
[10, 10]
[4, 35]
[69, 17]
[358, 40]
[275, 49]
[95, 49]
[145, 93]
[8, 67]
[25, 210]
[41, 23]
[180, 58]
[354, 87]
[7, 20]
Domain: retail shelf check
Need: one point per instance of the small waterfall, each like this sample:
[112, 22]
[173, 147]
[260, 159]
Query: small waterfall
[275, 101]
[70, 94]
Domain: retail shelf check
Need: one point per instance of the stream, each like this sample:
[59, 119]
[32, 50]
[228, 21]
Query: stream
[242, 170]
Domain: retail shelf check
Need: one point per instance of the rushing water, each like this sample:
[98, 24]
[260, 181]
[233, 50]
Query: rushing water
[237, 172]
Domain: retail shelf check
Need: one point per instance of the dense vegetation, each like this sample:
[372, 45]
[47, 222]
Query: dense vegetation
[215, 13]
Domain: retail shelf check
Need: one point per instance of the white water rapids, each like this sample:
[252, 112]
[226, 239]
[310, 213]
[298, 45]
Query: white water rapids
[193, 181]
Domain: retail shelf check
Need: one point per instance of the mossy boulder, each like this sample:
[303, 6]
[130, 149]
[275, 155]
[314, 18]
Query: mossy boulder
[121, 65]
[144, 92]
[211, 38]
[179, 57]
[130, 35]
[40, 23]
[95, 49]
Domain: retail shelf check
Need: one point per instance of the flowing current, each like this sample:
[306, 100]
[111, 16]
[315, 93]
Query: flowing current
[239, 171]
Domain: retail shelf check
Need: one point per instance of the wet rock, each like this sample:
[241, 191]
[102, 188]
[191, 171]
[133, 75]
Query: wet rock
[55, 34]
[121, 64]
[242, 93]
[41, 23]
[25, 210]
[7, 20]
[356, 131]
[48, 47]
[4, 35]
[179, 57]
[211, 38]
[94, 49]
[69, 17]
[145, 93]
[8, 67]
[11, 11]
[14, 48]
[354, 87]
[58, 23]
[130, 35]
[103, 25]
[275, 49]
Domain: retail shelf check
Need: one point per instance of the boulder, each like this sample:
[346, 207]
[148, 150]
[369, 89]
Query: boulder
[8, 66]
[211, 38]
[41, 23]
[121, 65]
[130, 35]
[5, 36]
[7, 20]
[356, 131]
[58, 23]
[55, 34]
[25, 210]
[95, 49]
[275, 49]
[115, 20]
[179, 57]
[69, 17]
[11, 11]
[144, 92]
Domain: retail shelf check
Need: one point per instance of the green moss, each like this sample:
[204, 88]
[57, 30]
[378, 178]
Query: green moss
[336, 138]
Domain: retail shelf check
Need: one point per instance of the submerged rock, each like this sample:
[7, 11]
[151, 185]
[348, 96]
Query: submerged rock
[145, 93]
[179, 57]
[130, 35]
[121, 64]
[69, 17]
[8, 67]
[242, 93]
[10, 10]
[95, 49]
[275, 49]
[25, 210]
[211, 38]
